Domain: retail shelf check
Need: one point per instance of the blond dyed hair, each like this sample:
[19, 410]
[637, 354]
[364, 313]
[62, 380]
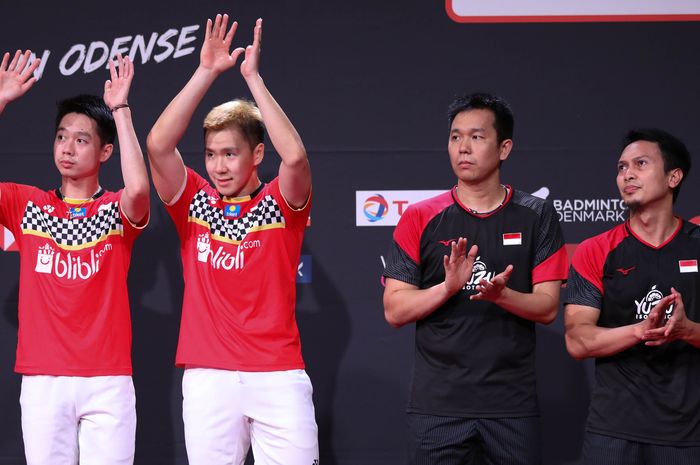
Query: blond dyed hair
[241, 114]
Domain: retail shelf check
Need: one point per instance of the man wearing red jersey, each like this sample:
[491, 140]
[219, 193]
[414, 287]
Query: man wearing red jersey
[244, 383]
[74, 344]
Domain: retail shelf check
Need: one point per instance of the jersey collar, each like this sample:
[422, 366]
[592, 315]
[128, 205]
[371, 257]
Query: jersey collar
[667, 241]
[507, 198]
[243, 198]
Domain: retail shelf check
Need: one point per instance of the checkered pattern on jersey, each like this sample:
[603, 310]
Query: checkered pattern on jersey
[74, 232]
[265, 213]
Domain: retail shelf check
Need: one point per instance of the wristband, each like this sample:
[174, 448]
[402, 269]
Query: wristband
[117, 107]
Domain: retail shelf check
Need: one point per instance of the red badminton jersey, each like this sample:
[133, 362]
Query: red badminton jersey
[240, 258]
[73, 302]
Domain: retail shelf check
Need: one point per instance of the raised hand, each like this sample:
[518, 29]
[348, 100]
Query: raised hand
[215, 54]
[251, 63]
[491, 290]
[15, 76]
[458, 266]
[119, 82]
[675, 328]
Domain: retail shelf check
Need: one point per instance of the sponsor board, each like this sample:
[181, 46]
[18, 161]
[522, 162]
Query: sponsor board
[304, 270]
[384, 208]
[7, 240]
[590, 210]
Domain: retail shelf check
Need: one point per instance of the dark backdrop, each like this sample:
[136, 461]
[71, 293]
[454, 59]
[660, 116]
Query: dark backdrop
[367, 84]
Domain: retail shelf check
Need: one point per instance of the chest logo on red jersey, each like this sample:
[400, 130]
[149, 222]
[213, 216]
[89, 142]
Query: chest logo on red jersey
[688, 266]
[203, 247]
[224, 257]
[515, 238]
[44, 259]
[448, 242]
[232, 211]
[69, 265]
[77, 212]
[647, 304]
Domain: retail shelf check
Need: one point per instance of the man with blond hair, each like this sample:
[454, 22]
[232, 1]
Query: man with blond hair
[244, 382]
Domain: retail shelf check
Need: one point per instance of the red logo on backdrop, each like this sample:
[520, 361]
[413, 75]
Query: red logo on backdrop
[7, 240]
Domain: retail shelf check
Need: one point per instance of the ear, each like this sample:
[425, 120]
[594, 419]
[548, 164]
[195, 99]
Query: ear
[258, 153]
[504, 149]
[675, 177]
[106, 152]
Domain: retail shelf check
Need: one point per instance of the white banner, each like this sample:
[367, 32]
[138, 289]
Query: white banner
[7, 240]
[572, 11]
[384, 208]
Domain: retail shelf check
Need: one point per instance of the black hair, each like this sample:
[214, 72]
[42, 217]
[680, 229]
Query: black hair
[503, 115]
[94, 108]
[673, 151]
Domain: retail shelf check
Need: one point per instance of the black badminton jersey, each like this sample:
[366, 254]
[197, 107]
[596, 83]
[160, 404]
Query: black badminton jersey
[645, 394]
[473, 358]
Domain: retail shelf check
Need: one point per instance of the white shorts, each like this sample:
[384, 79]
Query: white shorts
[70, 419]
[225, 412]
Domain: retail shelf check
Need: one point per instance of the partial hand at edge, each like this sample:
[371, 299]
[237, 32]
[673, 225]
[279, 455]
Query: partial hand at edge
[16, 77]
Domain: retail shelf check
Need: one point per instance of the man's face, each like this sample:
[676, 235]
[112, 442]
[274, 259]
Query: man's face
[475, 152]
[77, 148]
[230, 161]
[641, 178]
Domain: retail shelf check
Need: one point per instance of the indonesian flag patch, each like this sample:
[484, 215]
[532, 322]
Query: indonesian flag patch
[688, 266]
[513, 238]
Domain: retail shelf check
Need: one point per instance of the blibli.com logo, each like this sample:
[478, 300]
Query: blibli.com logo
[51, 261]
[384, 208]
[221, 258]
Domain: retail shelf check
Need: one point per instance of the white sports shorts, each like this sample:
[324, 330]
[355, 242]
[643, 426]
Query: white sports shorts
[226, 412]
[71, 419]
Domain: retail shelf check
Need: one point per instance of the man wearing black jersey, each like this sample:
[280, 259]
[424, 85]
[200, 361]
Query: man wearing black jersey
[473, 396]
[632, 304]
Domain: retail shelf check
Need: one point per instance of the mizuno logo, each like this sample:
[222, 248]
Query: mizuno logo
[626, 271]
[447, 242]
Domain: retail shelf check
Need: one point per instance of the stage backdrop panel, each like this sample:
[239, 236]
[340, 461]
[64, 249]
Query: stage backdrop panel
[367, 84]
